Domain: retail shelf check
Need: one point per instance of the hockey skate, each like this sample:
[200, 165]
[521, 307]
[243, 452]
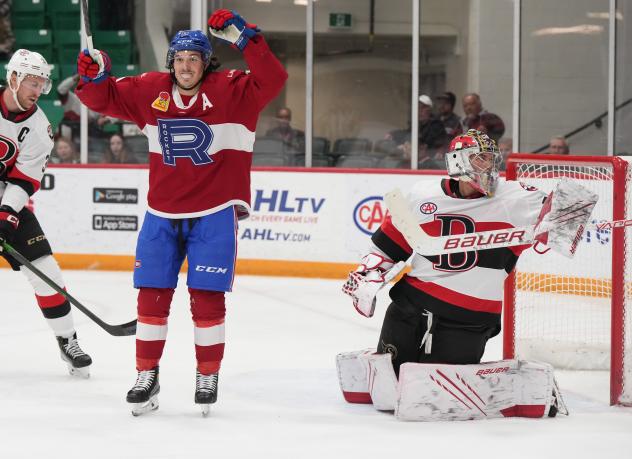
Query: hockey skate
[78, 361]
[205, 391]
[144, 395]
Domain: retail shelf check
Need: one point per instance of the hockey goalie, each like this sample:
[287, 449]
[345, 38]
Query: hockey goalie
[427, 364]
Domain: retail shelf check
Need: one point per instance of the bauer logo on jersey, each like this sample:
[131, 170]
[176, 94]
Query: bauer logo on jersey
[428, 208]
[162, 101]
[369, 214]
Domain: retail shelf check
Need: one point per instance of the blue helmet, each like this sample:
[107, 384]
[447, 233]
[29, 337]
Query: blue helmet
[191, 40]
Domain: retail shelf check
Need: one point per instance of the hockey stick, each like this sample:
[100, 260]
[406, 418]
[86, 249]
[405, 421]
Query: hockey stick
[422, 243]
[127, 329]
[88, 30]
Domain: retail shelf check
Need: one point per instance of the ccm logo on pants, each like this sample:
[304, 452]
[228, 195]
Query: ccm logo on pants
[211, 269]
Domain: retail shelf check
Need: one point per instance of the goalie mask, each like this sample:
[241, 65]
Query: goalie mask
[475, 158]
[25, 63]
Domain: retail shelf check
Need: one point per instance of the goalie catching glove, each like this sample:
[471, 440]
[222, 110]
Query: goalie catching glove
[362, 286]
[230, 27]
[93, 67]
[564, 216]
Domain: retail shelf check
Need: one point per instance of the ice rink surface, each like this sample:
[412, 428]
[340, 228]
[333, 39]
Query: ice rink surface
[278, 392]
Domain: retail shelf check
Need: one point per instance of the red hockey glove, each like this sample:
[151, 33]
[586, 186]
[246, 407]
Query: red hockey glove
[95, 67]
[9, 222]
[230, 27]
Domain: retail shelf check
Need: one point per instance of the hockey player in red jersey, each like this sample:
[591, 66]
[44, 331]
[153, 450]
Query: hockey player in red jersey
[25, 146]
[448, 306]
[200, 124]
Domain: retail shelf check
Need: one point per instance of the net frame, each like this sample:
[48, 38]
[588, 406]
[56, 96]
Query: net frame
[521, 167]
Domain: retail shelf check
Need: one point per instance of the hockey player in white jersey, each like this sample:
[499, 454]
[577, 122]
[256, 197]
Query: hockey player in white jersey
[25, 146]
[443, 312]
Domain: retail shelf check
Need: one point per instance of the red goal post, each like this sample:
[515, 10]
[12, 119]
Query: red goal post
[576, 313]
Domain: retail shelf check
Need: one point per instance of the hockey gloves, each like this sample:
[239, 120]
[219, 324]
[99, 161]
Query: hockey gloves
[230, 27]
[95, 67]
[9, 222]
[369, 278]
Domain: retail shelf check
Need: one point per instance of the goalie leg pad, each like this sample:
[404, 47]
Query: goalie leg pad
[507, 388]
[382, 380]
[353, 376]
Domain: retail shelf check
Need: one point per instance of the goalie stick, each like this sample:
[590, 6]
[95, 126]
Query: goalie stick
[424, 244]
[126, 329]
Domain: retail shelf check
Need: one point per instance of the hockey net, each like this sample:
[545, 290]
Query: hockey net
[573, 313]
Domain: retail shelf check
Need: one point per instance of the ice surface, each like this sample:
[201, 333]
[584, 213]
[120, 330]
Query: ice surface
[278, 397]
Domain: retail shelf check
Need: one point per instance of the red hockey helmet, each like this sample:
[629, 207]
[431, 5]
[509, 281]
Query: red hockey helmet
[475, 158]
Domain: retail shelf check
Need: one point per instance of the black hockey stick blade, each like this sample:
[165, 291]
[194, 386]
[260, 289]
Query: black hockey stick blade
[126, 329]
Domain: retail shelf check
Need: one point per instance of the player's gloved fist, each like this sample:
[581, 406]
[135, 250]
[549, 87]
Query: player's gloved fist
[95, 67]
[229, 26]
[9, 222]
[364, 283]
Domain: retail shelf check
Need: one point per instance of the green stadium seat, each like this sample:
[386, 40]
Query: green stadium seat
[64, 14]
[54, 111]
[66, 70]
[67, 44]
[39, 40]
[28, 14]
[125, 70]
[117, 43]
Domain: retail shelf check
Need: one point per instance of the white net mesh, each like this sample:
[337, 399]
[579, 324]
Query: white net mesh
[562, 306]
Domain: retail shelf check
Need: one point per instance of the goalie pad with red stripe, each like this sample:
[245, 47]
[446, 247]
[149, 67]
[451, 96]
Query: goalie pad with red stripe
[507, 388]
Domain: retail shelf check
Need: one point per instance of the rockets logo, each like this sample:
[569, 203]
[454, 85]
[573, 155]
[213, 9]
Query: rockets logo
[162, 101]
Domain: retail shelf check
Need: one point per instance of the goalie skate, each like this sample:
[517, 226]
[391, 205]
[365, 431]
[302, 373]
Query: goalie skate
[78, 362]
[205, 391]
[144, 395]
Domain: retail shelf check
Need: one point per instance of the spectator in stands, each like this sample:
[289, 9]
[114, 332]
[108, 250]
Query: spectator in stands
[7, 39]
[64, 152]
[478, 118]
[445, 109]
[505, 146]
[72, 111]
[117, 152]
[431, 131]
[559, 146]
[291, 137]
[425, 160]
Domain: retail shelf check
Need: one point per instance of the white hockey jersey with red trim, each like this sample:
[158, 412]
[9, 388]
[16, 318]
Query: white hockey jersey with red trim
[461, 285]
[25, 146]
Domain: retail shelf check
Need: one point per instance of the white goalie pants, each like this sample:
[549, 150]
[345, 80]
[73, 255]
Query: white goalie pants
[434, 392]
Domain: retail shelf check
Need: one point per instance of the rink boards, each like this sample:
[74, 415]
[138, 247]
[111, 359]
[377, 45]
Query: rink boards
[313, 223]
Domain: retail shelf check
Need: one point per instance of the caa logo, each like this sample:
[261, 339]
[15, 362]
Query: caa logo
[369, 214]
[428, 208]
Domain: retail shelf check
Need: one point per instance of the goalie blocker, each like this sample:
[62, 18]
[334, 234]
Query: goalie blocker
[441, 392]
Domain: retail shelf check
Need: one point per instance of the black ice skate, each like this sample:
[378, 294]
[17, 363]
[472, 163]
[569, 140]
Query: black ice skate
[205, 390]
[144, 395]
[78, 361]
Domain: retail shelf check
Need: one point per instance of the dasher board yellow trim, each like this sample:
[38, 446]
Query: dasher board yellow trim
[284, 268]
